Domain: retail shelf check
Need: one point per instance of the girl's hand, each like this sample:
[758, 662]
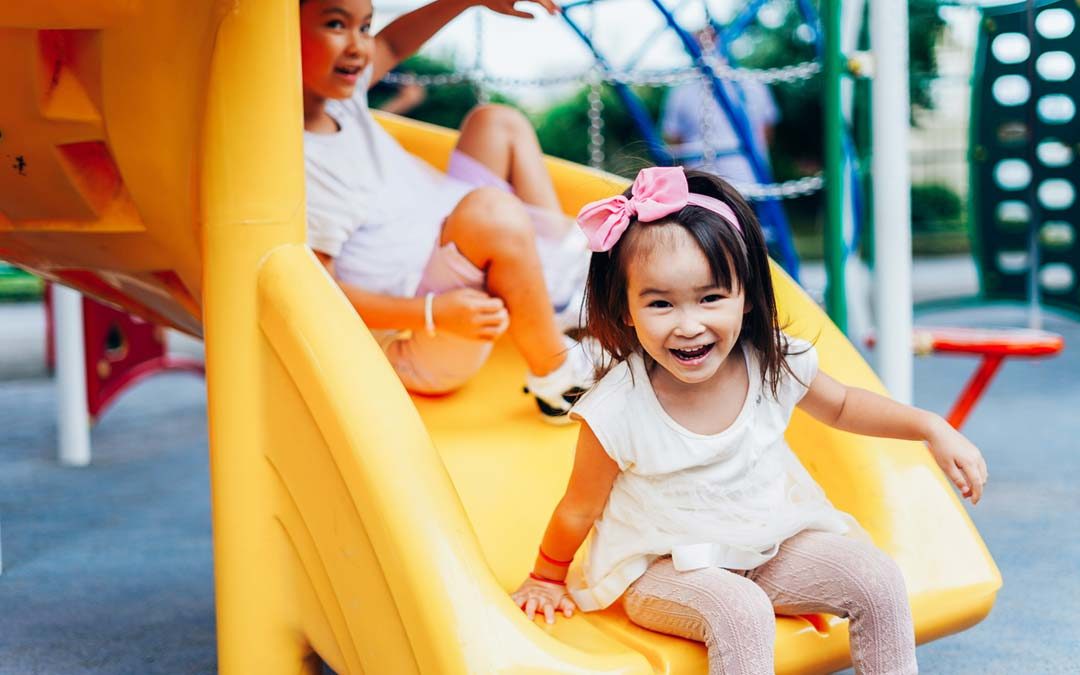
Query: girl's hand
[959, 459]
[549, 598]
[470, 313]
[507, 7]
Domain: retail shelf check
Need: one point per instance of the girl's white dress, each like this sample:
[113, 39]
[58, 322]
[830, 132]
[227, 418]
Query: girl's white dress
[721, 500]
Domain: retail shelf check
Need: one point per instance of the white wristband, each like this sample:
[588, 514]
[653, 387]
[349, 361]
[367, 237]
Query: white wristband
[429, 313]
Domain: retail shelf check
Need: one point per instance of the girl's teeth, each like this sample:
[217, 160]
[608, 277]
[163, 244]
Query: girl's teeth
[692, 353]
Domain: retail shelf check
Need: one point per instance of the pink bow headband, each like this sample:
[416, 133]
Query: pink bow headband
[657, 192]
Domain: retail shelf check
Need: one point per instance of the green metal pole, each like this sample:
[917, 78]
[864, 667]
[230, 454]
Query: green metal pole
[863, 145]
[835, 300]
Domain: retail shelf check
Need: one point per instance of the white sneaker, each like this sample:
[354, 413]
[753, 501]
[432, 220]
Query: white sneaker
[557, 391]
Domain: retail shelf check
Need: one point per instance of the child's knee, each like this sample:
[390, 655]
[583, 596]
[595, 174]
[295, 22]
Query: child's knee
[739, 602]
[494, 215]
[879, 585]
[495, 116]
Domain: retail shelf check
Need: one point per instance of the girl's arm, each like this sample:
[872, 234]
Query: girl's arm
[586, 494]
[863, 412]
[467, 312]
[403, 36]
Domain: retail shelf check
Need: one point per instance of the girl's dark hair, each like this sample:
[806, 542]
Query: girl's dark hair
[735, 258]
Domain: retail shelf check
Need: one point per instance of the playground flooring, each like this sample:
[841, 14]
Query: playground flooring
[108, 569]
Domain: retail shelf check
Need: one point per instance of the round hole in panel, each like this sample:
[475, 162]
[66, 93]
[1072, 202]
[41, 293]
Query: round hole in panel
[1057, 277]
[1013, 214]
[1012, 133]
[1056, 109]
[1057, 234]
[1011, 47]
[1010, 90]
[1056, 193]
[1054, 153]
[1054, 24]
[1012, 262]
[1055, 66]
[804, 33]
[772, 15]
[1012, 174]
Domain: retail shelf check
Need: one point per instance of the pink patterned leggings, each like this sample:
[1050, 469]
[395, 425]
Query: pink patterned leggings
[733, 612]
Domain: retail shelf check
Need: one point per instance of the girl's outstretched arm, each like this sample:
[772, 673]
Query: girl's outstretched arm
[403, 36]
[586, 494]
[864, 412]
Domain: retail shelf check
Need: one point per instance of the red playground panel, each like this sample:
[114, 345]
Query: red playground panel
[121, 350]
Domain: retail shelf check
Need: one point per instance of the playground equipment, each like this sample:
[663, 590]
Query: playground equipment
[161, 169]
[1024, 141]
[120, 351]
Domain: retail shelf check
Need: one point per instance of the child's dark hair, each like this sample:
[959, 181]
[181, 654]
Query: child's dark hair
[737, 259]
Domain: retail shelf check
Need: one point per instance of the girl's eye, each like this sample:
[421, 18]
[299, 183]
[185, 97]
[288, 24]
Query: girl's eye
[365, 29]
[659, 304]
[336, 24]
[712, 297]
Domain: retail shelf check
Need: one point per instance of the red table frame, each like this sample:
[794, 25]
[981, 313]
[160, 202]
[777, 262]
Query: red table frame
[994, 345]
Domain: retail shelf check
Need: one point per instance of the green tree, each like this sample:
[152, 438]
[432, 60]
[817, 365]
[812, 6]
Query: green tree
[563, 129]
[444, 105]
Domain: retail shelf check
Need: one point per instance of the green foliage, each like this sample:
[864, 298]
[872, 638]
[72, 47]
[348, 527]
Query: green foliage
[935, 208]
[446, 105]
[563, 129]
[16, 284]
[926, 27]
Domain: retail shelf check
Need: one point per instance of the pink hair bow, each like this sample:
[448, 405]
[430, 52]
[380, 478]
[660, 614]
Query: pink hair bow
[657, 192]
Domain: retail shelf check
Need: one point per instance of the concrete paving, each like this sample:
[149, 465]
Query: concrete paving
[108, 569]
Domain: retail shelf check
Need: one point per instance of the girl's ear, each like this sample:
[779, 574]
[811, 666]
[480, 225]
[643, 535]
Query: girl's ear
[747, 307]
[628, 320]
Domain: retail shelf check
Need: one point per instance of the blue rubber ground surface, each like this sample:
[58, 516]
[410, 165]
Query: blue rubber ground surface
[108, 569]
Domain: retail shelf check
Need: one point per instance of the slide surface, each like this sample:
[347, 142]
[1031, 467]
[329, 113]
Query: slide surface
[160, 169]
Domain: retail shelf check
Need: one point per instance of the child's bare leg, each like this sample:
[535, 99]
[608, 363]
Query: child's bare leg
[504, 141]
[492, 230]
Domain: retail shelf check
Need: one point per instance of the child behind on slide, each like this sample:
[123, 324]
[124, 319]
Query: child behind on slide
[437, 266]
[702, 518]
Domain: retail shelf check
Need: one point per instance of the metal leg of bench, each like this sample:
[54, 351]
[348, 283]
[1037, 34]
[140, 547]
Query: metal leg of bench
[974, 389]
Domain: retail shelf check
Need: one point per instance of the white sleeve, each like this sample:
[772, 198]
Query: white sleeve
[601, 409]
[802, 356]
[330, 222]
[325, 233]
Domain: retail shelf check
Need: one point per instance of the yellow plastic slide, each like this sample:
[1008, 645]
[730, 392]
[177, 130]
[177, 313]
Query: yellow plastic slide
[152, 157]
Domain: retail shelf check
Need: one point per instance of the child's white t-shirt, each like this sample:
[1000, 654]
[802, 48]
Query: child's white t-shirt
[374, 207]
[709, 500]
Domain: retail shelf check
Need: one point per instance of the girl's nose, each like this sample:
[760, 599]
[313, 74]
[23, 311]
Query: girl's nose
[689, 325]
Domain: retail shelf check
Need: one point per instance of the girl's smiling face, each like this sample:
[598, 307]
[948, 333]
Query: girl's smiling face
[335, 46]
[682, 318]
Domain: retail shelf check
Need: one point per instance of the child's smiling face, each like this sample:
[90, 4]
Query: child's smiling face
[683, 319]
[335, 45]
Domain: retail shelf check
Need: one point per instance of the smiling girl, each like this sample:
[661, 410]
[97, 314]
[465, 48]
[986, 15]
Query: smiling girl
[702, 518]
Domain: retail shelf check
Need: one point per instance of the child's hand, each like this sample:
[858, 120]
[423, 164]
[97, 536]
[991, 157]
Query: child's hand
[507, 7]
[470, 313]
[548, 598]
[959, 459]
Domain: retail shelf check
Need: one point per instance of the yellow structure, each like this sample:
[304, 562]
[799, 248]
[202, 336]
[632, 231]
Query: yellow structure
[152, 157]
